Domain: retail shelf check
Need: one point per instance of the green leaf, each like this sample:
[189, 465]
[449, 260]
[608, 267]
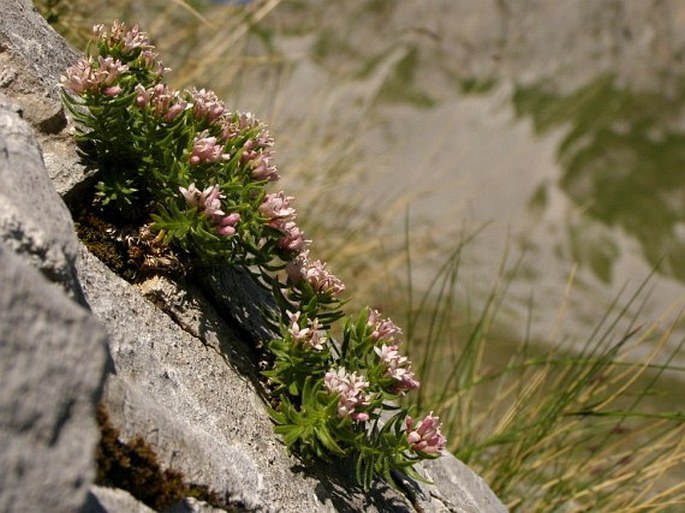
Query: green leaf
[328, 441]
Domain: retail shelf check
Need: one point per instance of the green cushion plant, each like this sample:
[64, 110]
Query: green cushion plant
[195, 178]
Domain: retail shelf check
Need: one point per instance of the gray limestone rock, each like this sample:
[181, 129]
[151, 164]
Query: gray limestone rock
[191, 505]
[41, 53]
[32, 59]
[180, 391]
[456, 488]
[113, 500]
[249, 304]
[52, 364]
[33, 219]
[53, 354]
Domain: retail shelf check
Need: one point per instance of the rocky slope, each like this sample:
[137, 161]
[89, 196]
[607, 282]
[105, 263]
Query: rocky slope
[153, 382]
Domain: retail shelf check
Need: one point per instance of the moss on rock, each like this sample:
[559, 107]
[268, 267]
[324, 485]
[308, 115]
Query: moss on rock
[133, 466]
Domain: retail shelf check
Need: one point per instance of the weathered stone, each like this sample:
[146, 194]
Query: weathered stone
[43, 53]
[33, 219]
[249, 304]
[113, 500]
[52, 364]
[32, 59]
[191, 505]
[188, 308]
[200, 416]
[456, 488]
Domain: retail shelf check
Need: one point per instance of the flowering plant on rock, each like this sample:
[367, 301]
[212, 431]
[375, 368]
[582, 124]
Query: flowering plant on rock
[194, 175]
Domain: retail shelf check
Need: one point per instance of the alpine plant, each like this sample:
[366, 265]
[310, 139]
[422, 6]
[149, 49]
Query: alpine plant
[181, 165]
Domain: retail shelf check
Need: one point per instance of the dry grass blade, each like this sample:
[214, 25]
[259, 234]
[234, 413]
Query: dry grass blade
[566, 429]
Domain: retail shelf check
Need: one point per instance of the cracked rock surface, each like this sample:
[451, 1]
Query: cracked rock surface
[176, 358]
[53, 354]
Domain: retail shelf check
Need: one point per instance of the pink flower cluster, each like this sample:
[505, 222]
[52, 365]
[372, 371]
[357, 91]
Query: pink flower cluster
[397, 367]
[165, 103]
[383, 329]
[351, 390]
[206, 105]
[427, 437]
[256, 151]
[99, 75]
[293, 238]
[207, 150]
[261, 165]
[129, 41]
[276, 208]
[119, 35]
[94, 76]
[315, 273]
[312, 336]
[208, 202]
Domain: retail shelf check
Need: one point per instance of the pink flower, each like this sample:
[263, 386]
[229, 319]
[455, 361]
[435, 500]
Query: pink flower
[281, 216]
[112, 36]
[206, 105]
[293, 238]
[99, 29]
[351, 391]
[108, 70]
[261, 167]
[132, 44]
[397, 367]
[118, 35]
[113, 90]
[226, 226]
[312, 336]
[150, 60]
[427, 437]
[134, 39]
[383, 329]
[257, 154]
[208, 202]
[276, 208]
[166, 104]
[94, 76]
[229, 129]
[256, 151]
[246, 123]
[77, 78]
[211, 202]
[315, 273]
[206, 150]
[195, 196]
[143, 96]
